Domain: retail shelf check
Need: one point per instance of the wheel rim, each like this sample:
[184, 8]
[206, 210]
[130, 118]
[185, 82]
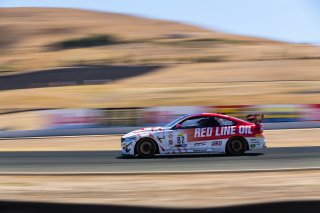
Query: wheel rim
[146, 148]
[236, 146]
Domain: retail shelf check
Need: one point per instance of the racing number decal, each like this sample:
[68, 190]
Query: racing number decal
[180, 139]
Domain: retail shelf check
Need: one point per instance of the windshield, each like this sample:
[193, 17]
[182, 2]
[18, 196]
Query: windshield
[174, 122]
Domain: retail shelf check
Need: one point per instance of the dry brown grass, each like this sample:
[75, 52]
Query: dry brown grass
[185, 190]
[26, 33]
[225, 83]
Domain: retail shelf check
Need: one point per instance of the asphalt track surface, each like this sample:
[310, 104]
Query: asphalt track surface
[103, 162]
[72, 76]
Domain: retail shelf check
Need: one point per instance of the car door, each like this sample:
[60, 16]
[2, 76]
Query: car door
[188, 138]
[223, 129]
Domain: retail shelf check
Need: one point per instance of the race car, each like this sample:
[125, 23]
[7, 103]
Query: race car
[197, 133]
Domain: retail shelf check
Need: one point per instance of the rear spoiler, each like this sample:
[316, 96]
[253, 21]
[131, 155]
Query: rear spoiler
[255, 118]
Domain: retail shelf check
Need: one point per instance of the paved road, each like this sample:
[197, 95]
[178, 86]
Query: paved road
[111, 162]
[72, 76]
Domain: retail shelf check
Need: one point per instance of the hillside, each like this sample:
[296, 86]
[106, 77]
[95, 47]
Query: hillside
[37, 38]
[200, 67]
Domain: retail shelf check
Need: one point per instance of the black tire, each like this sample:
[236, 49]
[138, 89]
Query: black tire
[146, 148]
[236, 146]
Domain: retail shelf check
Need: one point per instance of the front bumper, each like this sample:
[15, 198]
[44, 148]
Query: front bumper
[127, 146]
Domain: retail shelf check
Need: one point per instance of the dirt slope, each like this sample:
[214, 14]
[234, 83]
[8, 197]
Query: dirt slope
[201, 67]
[26, 34]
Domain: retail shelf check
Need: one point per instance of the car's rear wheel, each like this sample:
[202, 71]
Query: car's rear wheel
[236, 147]
[146, 148]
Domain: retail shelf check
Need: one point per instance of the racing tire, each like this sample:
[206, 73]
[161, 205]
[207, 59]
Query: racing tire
[146, 148]
[236, 147]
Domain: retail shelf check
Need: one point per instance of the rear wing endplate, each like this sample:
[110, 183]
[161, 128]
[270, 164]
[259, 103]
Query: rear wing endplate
[255, 118]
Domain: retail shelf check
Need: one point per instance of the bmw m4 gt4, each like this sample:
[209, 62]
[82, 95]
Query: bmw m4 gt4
[197, 133]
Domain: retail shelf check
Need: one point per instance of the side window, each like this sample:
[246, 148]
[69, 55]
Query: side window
[216, 121]
[196, 122]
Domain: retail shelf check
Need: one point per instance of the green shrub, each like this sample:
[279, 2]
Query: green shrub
[90, 41]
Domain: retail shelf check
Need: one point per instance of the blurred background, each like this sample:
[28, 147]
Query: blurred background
[120, 65]
[111, 63]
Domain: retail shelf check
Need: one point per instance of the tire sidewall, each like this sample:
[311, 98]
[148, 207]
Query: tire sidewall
[229, 148]
[140, 144]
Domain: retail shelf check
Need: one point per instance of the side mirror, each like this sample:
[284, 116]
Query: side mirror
[178, 126]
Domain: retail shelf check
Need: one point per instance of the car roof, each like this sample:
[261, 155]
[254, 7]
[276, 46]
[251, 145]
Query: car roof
[215, 115]
[208, 114]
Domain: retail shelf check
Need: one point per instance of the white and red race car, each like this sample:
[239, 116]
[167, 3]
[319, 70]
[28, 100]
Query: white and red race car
[197, 133]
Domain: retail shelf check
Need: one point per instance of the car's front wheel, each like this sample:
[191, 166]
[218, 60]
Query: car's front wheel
[146, 148]
[236, 146]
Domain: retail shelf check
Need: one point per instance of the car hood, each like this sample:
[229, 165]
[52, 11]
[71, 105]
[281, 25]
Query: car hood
[145, 130]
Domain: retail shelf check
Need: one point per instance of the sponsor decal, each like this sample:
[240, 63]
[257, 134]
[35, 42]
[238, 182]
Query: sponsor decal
[252, 145]
[256, 143]
[199, 149]
[203, 132]
[200, 144]
[170, 141]
[225, 130]
[215, 133]
[170, 138]
[181, 145]
[216, 143]
[209, 132]
[245, 130]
